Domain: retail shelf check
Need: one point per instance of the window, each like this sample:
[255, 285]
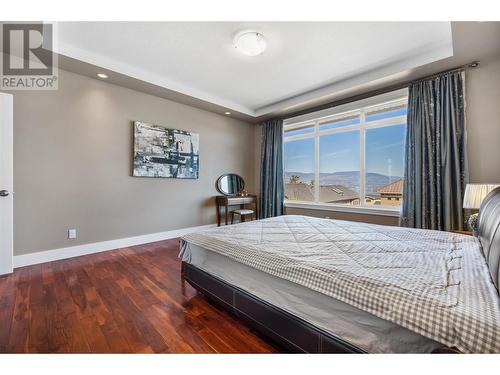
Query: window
[307, 128]
[350, 156]
[300, 155]
[339, 168]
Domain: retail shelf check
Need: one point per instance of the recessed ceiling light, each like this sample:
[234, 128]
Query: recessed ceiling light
[227, 113]
[250, 43]
[102, 75]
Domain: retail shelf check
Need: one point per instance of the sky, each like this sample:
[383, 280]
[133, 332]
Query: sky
[340, 152]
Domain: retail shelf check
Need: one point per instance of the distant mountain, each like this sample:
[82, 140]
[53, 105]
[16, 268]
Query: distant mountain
[350, 179]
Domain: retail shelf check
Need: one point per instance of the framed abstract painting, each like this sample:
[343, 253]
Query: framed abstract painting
[165, 153]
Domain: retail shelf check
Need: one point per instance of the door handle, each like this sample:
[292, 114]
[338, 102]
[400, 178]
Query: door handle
[4, 193]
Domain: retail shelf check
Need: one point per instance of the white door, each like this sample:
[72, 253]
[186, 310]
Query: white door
[6, 183]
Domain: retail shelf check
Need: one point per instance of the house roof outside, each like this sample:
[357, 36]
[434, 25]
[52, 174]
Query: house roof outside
[394, 188]
[336, 193]
[300, 191]
[327, 193]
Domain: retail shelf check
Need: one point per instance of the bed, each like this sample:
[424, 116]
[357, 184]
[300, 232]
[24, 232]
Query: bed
[327, 286]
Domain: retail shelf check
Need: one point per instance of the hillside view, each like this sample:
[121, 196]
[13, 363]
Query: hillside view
[349, 179]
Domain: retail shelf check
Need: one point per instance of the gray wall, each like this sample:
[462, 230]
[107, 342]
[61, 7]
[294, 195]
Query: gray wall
[483, 121]
[72, 165]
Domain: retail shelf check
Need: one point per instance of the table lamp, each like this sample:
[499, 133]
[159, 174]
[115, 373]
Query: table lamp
[474, 196]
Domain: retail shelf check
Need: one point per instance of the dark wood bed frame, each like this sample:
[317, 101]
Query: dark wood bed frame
[293, 334]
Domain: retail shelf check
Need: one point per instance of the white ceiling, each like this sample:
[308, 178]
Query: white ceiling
[302, 61]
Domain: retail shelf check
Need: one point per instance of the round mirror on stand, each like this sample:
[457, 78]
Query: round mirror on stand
[230, 184]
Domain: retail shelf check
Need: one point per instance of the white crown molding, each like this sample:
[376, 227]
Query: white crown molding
[97, 247]
[386, 72]
[121, 67]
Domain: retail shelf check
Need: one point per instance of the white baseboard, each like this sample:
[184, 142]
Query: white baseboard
[97, 247]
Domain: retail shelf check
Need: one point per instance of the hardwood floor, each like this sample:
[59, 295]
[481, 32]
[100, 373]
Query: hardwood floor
[130, 300]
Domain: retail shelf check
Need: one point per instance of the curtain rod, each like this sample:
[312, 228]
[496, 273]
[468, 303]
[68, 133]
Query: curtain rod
[380, 91]
[458, 69]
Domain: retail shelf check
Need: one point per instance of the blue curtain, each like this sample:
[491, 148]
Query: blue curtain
[271, 169]
[435, 161]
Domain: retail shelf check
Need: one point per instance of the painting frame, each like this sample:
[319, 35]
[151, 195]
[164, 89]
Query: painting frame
[161, 152]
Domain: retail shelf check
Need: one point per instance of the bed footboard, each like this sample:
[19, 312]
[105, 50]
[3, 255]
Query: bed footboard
[288, 331]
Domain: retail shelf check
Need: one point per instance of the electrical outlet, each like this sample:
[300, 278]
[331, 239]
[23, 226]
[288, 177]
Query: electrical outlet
[72, 234]
[327, 217]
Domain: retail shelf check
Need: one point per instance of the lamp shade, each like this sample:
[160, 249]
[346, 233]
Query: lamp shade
[475, 193]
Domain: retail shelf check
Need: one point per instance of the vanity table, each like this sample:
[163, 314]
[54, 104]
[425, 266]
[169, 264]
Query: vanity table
[224, 201]
[229, 185]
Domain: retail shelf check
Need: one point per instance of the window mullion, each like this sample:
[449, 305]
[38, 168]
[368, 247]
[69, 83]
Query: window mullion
[298, 137]
[316, 162]
[362, 161]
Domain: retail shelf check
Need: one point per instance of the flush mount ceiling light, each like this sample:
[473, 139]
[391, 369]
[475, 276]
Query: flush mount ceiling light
[102, 75]
[250, 43]
[227, 113]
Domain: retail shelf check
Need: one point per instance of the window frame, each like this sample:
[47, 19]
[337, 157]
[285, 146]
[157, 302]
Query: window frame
[360, 108]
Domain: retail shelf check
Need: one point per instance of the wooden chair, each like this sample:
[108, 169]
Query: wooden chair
[243, 214]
